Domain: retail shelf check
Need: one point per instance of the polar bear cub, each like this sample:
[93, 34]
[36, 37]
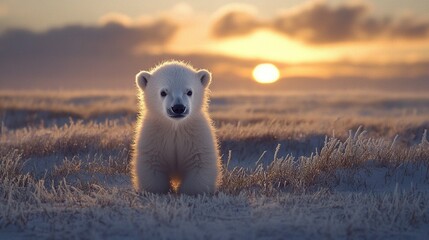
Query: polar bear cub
[175, 144]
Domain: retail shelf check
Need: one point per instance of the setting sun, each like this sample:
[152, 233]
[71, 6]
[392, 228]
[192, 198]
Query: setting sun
[266, 73]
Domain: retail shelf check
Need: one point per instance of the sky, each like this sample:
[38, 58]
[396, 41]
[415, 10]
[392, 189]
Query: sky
[102, 44]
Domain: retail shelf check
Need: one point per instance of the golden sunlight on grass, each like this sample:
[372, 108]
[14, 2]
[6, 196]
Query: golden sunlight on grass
[266, 73]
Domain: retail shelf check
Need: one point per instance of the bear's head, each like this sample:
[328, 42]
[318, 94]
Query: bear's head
[174, 89]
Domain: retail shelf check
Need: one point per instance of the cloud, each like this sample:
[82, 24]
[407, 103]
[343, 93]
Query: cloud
[114, 17]
[235, 19]
[79, 40]
[235, 23]
[73, 52]
[410, 28]
[320, 23]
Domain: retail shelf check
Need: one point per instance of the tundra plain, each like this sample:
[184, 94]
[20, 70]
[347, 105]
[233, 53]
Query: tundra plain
[297, 165]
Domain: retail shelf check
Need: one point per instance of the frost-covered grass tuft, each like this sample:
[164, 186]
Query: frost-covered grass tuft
[320, 168]
[292, 169]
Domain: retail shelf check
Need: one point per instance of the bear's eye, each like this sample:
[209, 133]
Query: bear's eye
[163, 93]
[189, 93]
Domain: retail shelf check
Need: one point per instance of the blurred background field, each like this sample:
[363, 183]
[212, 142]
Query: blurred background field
[298, 120]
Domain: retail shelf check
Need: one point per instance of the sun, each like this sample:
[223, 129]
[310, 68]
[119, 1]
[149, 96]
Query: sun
[266, 73]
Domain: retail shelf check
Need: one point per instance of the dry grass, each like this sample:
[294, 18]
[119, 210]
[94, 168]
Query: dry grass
[70, 178]
[319, 170]
[251, 194]
[71, 139]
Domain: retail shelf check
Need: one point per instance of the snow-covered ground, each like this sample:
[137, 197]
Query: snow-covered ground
[292, 169]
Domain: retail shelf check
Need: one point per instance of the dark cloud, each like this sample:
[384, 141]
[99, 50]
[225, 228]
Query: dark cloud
[73, 52]
[410, 28]
[320, 23]
[235, 23]
[78, 40]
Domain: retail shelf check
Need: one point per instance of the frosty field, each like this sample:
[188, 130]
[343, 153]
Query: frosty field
[296, 166]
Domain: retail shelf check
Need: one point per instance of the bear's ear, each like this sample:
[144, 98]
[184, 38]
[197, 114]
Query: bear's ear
[205, 77]
[141, 79]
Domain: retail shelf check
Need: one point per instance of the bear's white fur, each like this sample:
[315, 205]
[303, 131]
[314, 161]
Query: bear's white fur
[180, 151]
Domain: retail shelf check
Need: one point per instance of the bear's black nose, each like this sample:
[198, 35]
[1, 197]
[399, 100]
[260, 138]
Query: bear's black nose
[178, 108]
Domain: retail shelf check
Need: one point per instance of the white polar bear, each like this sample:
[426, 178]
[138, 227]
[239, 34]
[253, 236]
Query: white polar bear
[175, 144]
